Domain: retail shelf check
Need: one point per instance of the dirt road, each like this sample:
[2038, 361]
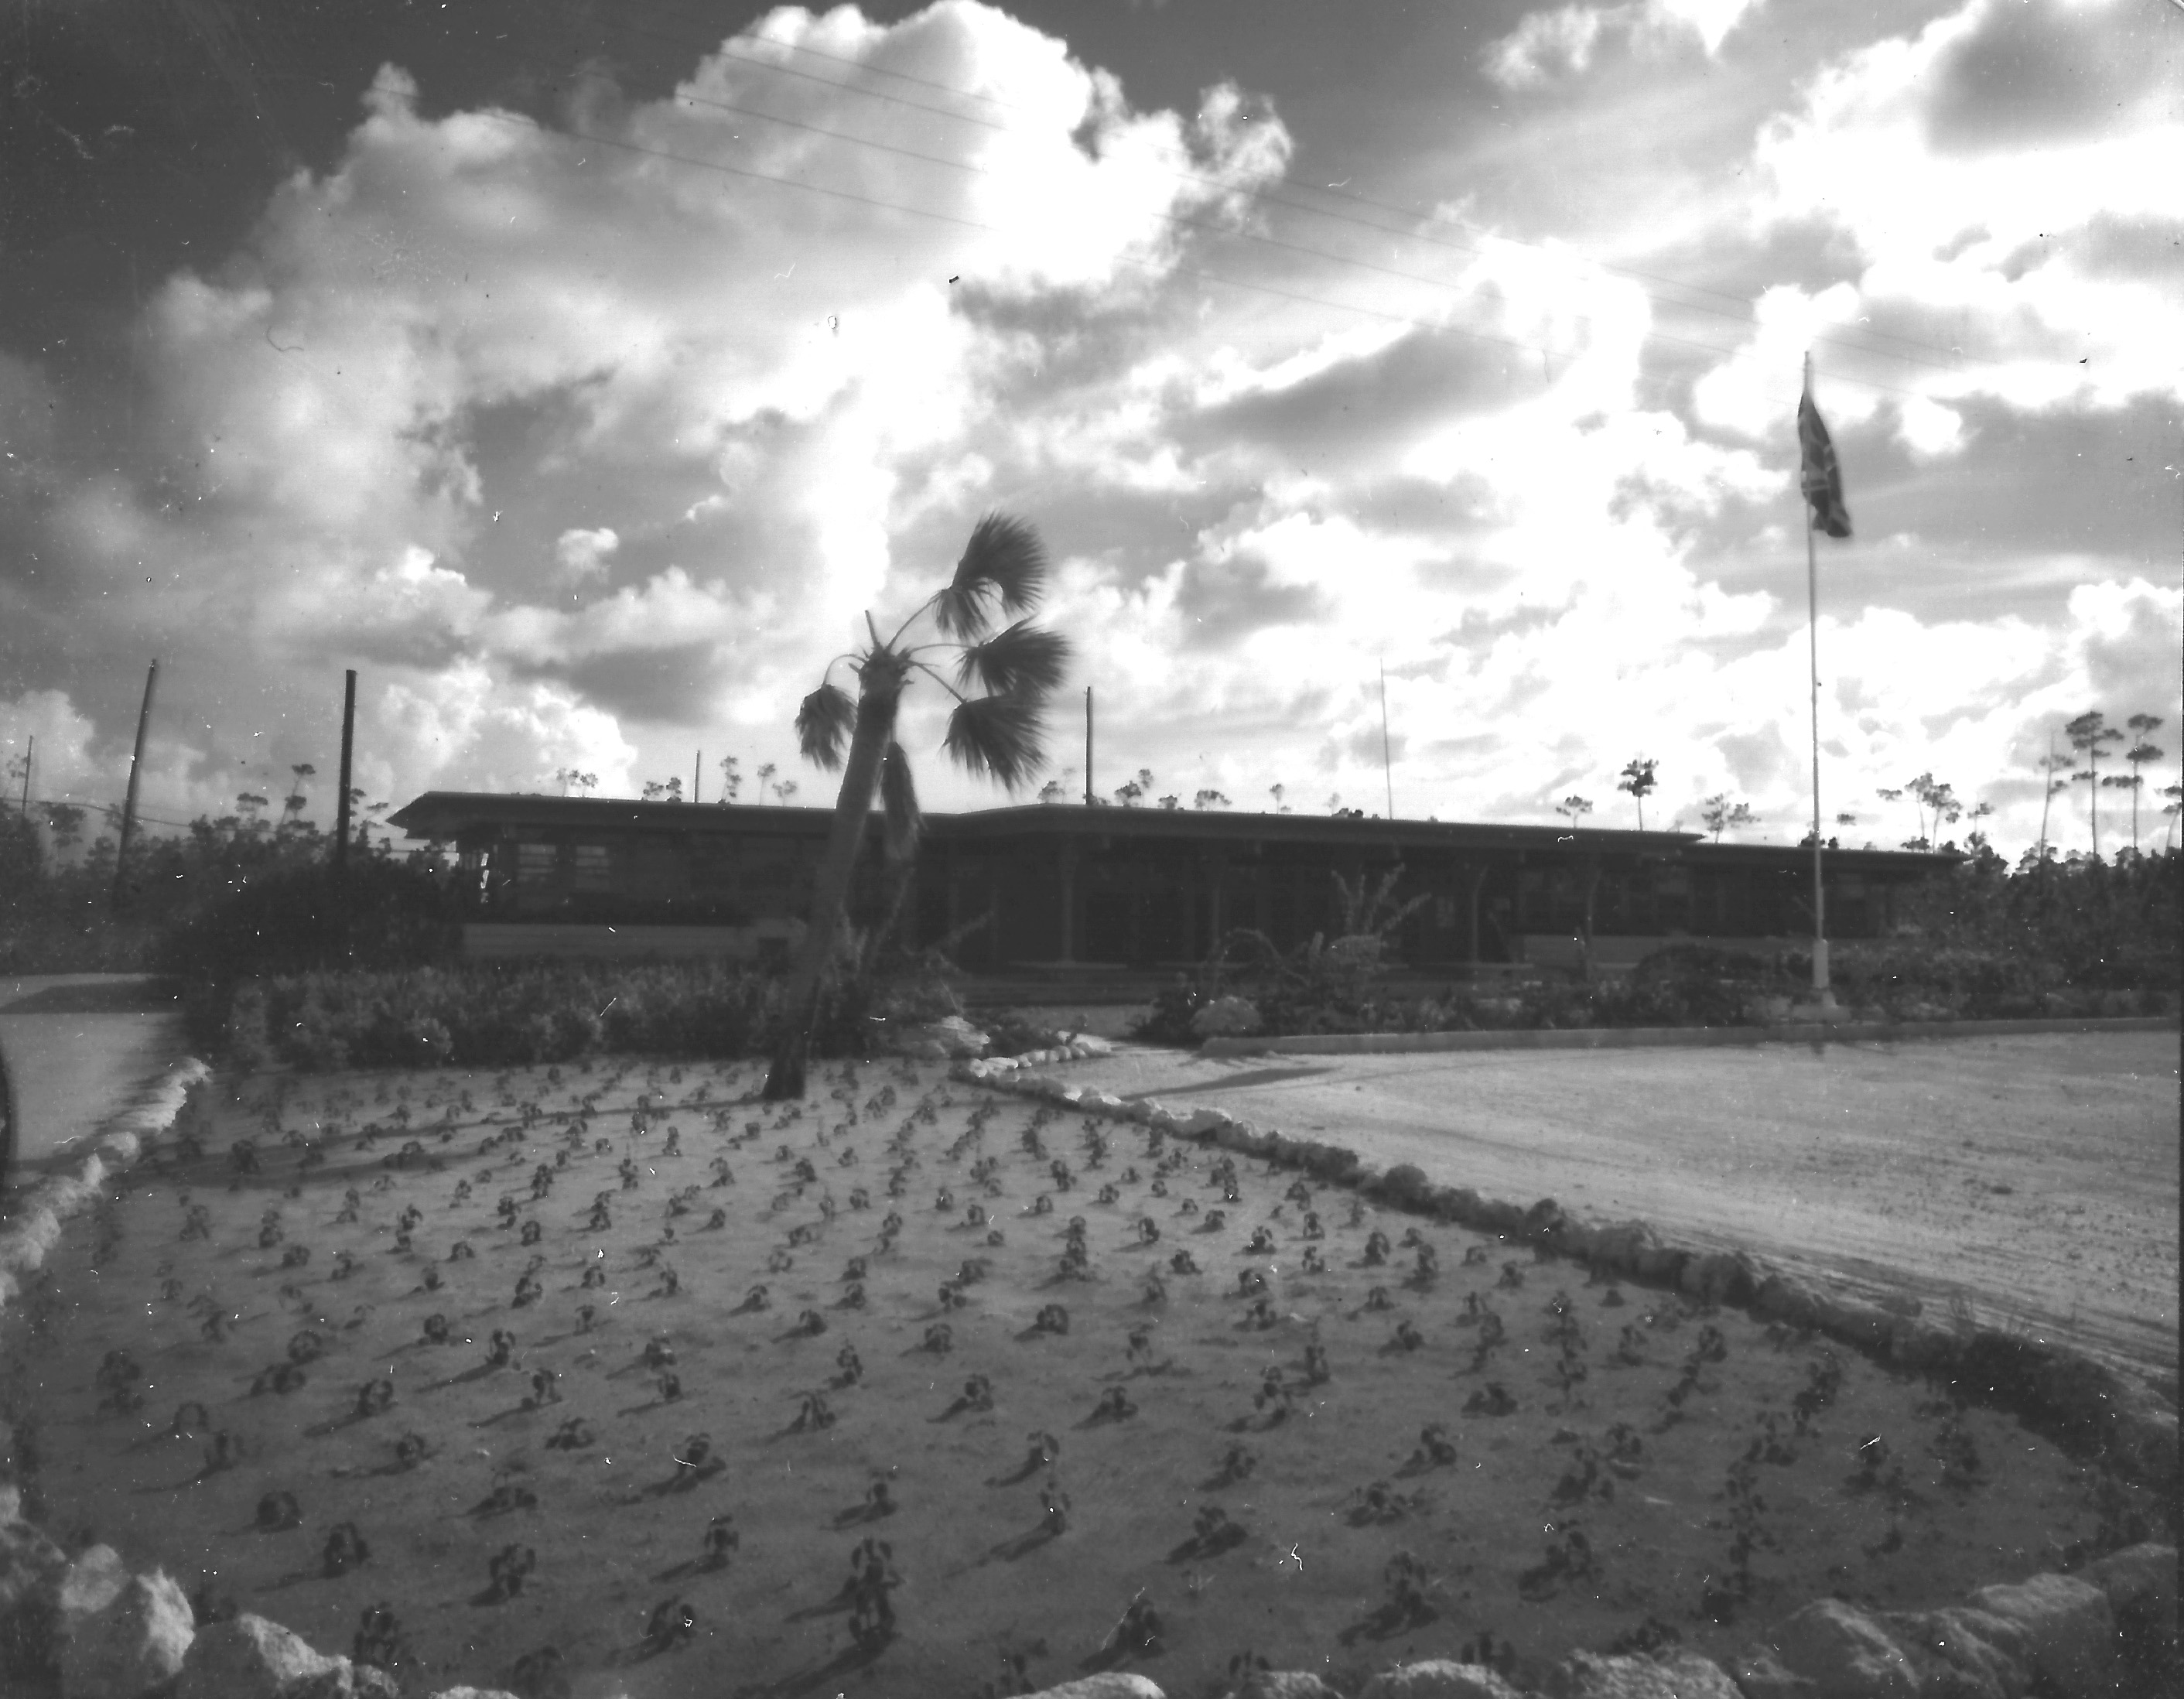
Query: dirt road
[2035, 1177]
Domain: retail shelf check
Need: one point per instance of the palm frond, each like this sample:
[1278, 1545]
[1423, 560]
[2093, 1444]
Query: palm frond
[1000, 736]
[1018, 660]
[823, 723]
[1003, 561]
[901, 819]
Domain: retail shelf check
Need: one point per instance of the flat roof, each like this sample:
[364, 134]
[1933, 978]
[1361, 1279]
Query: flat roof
[447, 814]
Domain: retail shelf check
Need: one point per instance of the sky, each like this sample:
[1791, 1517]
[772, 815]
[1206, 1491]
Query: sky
[583, 374]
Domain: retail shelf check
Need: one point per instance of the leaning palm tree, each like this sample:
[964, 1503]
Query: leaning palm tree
[998, 731]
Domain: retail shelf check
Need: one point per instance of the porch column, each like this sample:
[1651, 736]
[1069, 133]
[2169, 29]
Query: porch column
[1471, 934]
[1068, 860]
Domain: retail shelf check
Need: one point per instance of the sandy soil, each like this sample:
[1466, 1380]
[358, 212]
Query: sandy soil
[556, 1493]
[2034, 1177]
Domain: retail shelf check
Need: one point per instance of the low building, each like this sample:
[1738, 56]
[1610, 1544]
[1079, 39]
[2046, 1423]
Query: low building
[1008, 888]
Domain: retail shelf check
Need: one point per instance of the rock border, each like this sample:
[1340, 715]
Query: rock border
[1651, 1038]
[36, 1216]
[2060, 1630]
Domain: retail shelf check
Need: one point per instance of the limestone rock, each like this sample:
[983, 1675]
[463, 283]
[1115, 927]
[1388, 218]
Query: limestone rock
[133, 1645]
[1963, 1653]
[1783, 1298]
[1865, 1326]
[1831, 1650]
[93, 1581]
[2070, 1636]
[1626, 1246]
[2140, 1583]
[942, 1040]
[1685, 1675]
[1719, 1277]
[248, 1658]
[30, 1570]
[1760, 1675]
[1545, 1216]
[474, 1693]
[1283, 1683]
[1438, 1677]
[1113, 1684]
[30, 1564]
[1922, 1345]
[1204, 1121]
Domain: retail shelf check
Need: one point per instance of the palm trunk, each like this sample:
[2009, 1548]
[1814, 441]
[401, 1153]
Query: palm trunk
[879, 691]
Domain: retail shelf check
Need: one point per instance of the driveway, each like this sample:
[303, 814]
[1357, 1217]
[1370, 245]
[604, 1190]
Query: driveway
[2034, 1177]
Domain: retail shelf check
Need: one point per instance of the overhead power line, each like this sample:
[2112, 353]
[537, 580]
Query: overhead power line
[1739, 310]
[1274, 291]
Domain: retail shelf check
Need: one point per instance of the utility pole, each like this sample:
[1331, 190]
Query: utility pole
[129, 802]
[696, 767]
[2047, 796]
[1087, 746]
[30, 754]
[349, 745]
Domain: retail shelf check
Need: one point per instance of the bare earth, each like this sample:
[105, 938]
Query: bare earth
[2035, 1176]
[239, 1358]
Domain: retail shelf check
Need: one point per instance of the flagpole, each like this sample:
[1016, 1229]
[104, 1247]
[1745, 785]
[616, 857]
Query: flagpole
[1820, 889]
[1387, 770]
[1820, 991]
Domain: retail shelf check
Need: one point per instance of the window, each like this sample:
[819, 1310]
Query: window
[535, 863]
[594, 868]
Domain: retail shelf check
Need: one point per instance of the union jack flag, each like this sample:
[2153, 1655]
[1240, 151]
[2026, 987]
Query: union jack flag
[1822, 477]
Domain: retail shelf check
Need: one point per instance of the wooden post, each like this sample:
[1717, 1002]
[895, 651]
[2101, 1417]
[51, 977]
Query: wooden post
[30, 754]
[348, 749]
[1087, 746]
[129, 802]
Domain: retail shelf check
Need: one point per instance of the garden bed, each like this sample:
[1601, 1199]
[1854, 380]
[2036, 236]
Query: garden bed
[1335, 1468]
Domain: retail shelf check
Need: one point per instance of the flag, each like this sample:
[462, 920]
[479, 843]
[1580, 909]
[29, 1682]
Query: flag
[1822, 477]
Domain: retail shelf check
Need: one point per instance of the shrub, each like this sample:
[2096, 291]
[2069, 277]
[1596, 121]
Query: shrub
[492, 1014]
[300, 918]
[1168, 1021]
[1405, 1183]
[1224, 1016]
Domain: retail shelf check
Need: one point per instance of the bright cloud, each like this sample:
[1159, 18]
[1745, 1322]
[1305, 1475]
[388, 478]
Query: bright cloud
[591, 442]
[581, 555]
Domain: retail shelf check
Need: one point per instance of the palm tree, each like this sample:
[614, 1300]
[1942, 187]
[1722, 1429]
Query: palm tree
[999, 732]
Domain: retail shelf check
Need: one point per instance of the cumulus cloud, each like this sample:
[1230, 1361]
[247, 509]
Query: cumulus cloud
[1555, 45]
[1996, 257]
[593, 443]
[581, 555]
[1549, 45]
[480, 365]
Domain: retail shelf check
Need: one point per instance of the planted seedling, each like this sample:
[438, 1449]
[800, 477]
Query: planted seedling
[345, 1550]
